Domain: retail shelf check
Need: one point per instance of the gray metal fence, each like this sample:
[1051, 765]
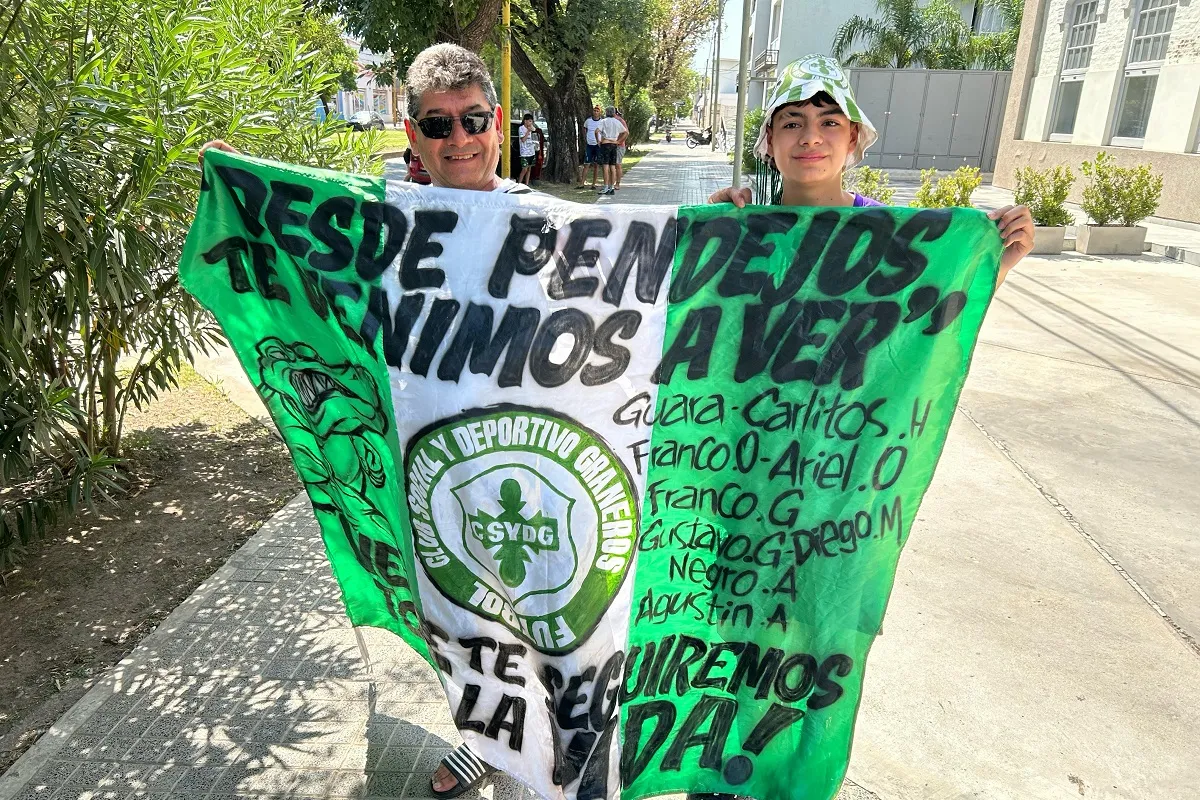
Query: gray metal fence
[933, 118]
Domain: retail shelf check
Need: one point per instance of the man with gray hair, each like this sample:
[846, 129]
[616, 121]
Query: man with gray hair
[453, 122]
[611, 129]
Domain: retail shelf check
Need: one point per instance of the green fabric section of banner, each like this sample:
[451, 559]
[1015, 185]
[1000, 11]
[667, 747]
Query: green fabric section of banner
[298, 298]
[811, 367]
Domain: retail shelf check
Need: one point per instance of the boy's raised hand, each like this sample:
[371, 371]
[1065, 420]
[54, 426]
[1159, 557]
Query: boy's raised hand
[1016, 229]
[739, 197]
[215, 144]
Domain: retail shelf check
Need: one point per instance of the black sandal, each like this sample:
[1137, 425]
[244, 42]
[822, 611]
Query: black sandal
[468, 770]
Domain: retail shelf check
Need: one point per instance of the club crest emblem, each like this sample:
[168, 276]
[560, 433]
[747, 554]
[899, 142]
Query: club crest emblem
[525, 517]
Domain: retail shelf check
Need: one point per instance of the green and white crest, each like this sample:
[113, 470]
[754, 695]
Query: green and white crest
[524, 517]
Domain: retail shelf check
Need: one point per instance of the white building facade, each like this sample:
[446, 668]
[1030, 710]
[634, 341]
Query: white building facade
[371, 94]
[1121, 76]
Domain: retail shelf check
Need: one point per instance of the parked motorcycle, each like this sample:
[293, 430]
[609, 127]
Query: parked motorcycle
[697, 138]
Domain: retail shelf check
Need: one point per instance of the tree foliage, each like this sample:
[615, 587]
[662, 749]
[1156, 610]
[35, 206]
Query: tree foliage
[905, 33]
[678, 27]
[323, 33]
[404, 28]
[105, 105]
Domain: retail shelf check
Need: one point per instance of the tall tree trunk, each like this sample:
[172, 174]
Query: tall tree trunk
[561, 103]
[477, 31]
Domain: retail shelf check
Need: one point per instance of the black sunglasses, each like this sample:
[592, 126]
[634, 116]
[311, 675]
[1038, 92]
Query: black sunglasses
[475, 123]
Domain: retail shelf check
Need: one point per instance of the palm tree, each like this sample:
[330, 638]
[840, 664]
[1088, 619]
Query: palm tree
[998, 50]
[905, 33]
[895, 38]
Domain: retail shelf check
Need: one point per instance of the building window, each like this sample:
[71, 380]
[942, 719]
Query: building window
[1151, 33]
[1082, 19]
[776, 19]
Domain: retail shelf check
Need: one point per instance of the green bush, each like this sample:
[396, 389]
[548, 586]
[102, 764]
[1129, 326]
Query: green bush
[1045, 192]
[637, 116]
[753, 124]
[873, 183]
[105, 105]
[947, 191]
[1127, 194]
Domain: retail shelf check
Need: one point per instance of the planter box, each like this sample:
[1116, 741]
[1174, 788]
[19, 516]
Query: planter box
[1047, 241]
[1110, 240]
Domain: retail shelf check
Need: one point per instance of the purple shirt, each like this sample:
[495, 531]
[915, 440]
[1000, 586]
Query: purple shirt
[860, 201]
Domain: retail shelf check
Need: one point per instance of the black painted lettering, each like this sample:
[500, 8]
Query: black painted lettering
[623, 324]
[736, 280]
[711, 741]
[836, 276]
[652, 264]
[384, 229]
[280, 214]
[848, 351]
[474, 338]
[691, 277]
[254, 195]
[341, 251]
[420, 246]
[565, 321]
[573, 256]
[927, 225]
[514, 257]
[636, 756]
[701, 324]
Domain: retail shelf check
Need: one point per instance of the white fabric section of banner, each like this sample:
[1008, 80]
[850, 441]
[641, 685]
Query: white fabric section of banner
[524, 532]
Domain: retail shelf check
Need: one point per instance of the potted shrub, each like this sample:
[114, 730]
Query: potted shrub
[949, 190]
[1045, 192]
[873, 183]
[1117, 199]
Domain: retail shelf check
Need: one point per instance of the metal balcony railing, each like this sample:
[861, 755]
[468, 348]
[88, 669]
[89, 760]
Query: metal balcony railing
[766, 61]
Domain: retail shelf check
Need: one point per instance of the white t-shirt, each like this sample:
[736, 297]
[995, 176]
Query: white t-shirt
[593, 129]
[529, 143]
[611, 128]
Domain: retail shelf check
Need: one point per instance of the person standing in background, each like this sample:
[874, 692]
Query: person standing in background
[529, 148]
[610, 131]
[591, 129]
[622, 142]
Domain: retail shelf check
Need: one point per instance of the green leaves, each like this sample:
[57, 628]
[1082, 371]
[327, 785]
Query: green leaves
[1124, 194]
[1045, 192]
[947, 191]
[106, 104]
[905, 33]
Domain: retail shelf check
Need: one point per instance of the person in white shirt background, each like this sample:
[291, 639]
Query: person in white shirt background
[529, 148]
[611, 131]
[622, 141]
[591, 154]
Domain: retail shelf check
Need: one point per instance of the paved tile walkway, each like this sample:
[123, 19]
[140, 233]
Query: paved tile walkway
[671, 174]
[253, 687]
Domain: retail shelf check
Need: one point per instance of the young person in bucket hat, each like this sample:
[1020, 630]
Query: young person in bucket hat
[813, 131]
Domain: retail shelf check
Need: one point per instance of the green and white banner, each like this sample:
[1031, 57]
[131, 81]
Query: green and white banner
[633, 479]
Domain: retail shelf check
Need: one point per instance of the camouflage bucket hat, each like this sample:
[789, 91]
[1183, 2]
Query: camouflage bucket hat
[804, 78]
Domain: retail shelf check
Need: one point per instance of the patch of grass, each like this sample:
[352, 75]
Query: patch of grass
[393, 139]
[566, 191]
[385, 140]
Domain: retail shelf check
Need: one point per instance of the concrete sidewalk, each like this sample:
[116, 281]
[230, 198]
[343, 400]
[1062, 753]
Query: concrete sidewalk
[1040, 642]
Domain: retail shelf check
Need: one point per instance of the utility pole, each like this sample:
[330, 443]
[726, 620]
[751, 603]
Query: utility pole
[506, 89]
[743, 80]
[717, 74]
